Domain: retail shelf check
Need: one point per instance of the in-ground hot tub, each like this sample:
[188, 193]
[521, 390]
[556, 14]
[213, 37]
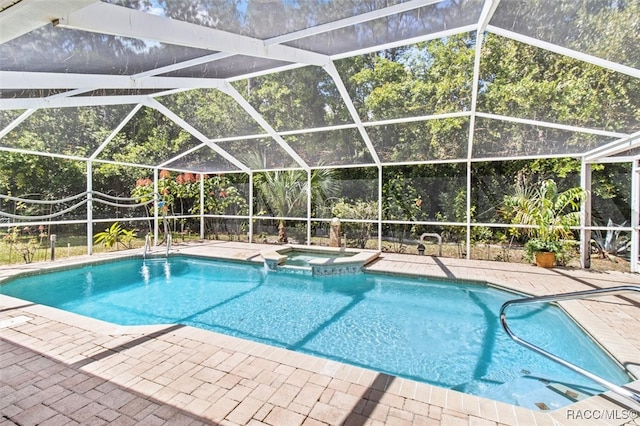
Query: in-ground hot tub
[318, 260]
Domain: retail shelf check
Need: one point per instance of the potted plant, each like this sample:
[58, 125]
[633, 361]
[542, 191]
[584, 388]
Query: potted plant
[543, 252]
[551, 213]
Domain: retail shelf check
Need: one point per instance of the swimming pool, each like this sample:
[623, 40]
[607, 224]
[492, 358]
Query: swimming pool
[430, 331]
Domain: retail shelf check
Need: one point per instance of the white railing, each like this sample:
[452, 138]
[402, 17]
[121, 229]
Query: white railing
[631, 394]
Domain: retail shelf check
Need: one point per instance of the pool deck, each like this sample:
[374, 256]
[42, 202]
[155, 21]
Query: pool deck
[59, 368]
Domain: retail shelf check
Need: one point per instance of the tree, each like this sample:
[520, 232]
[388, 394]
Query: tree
[360, 210]
[400, 201]
[284, 193]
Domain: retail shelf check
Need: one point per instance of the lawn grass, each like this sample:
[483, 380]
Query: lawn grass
[66, 246]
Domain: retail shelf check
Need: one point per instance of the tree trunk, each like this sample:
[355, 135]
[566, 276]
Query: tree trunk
[282, 233]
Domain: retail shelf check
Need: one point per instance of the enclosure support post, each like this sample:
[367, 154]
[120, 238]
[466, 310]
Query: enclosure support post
[156, 206]
[486, 16]
[250, 207]
[309, 207]
[89, 207]
[201, 206]
[635, 217]
[379, 208]
[468, 215]
[585, 216]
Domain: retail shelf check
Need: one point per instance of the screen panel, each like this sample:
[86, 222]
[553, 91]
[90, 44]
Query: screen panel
[301, 98]
[524, 81]
[330, 148]
[421, 79]
[610, 194]
[425, 192]
[212, 112]
[149, 138]
[71, 131]
[605, 29]
[352, 194]
[8, 116]
[203, 160]
[57, 49]
[442, 139]
[227, 67]
[259, 19]
[497, 138]
[260, 154]
[413, 23]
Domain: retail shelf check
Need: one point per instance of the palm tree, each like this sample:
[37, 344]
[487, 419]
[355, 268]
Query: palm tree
[283, 193]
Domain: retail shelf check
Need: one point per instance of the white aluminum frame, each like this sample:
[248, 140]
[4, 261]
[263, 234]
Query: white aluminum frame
[99, 17]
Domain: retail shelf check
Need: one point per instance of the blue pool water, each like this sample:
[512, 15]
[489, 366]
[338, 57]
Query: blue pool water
[436, 332]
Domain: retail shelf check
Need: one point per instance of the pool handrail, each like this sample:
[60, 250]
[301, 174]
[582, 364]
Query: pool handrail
[434, 235]
[147, 245]
[620, 390]
[168, 244]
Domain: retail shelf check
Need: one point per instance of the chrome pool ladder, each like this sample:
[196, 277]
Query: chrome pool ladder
[620, 390]
[168, 244]
[147, 245]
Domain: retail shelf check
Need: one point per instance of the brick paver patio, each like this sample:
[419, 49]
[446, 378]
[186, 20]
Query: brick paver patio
[58, 368]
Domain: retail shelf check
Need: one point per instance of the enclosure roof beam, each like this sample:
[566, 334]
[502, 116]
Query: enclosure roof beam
[25, 16]
[615, 147]
[614, 66]
[487, 13]
[231, 91]
[115, 131]
[346, 98]
[49, 80]
[115, 20]
[152, 103]
[36, 103]
[552, 125]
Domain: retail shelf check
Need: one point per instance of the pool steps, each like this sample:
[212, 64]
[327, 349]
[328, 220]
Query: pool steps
[340, 265]
[626, 392]
[531, 392]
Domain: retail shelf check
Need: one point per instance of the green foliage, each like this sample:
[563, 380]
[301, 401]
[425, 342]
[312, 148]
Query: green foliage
[113, 236]
[284, 193]
[360, 210]
[534, 245]
[612, 243]
[23, 243]
[433, 77]
[180, 194]
[400, 201]
[550, 212]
